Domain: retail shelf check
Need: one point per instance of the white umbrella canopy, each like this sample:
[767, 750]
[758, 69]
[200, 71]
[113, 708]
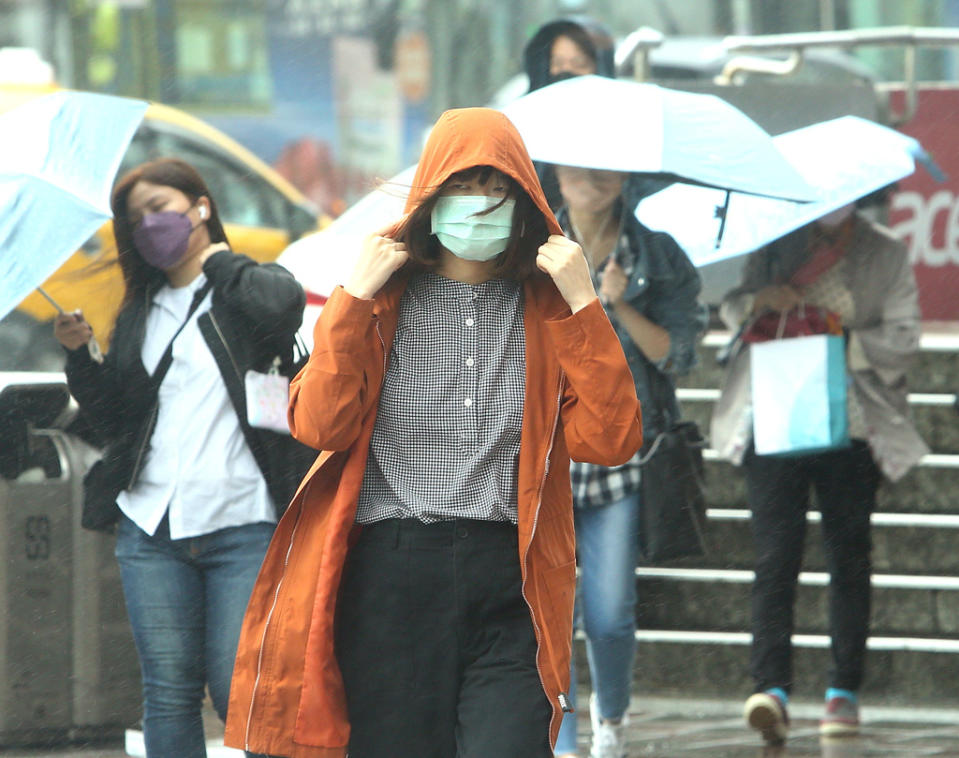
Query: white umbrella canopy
[843, 159]
[325, 259]
[622, 125]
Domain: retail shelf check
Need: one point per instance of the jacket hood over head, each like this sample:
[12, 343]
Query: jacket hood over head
[466, 137]
[537, 51]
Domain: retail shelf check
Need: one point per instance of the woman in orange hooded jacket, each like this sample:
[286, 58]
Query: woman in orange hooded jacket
[417, 597]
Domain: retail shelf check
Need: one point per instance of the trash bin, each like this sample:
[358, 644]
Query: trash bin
[67, 661]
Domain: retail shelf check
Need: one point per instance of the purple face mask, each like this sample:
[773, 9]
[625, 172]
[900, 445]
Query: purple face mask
[161, 238]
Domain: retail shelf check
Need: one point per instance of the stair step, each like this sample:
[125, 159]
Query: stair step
[698, 600]
[711, 395]
[899, 670]
[692, 615]
[922, 520]
[930, 341]
[932, 371]
[814, 641]
[806, 578]
[928, 488]
[903, 543]
[933, 413]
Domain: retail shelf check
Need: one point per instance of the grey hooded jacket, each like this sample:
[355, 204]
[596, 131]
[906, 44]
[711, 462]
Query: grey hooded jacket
[883, 342]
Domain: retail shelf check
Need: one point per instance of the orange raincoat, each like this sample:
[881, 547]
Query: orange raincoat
[287, 695]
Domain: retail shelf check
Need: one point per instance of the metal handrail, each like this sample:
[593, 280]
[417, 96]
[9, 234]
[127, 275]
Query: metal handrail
[797, 43]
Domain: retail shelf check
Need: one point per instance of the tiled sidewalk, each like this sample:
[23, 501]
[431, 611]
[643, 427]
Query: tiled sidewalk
[677, 728]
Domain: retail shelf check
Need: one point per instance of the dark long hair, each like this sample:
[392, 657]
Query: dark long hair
[139, 276]
[516, 262]
[590, 36]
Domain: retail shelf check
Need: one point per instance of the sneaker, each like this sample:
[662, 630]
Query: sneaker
[767, 714]
[841, 718]
[609, 740]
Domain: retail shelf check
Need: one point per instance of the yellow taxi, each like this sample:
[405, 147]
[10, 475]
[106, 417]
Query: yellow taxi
[261, 211]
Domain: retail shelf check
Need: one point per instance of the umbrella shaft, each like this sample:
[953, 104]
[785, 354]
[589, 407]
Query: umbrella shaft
[50, 300]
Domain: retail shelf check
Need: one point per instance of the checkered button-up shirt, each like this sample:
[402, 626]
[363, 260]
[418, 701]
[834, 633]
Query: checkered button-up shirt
[446, 440]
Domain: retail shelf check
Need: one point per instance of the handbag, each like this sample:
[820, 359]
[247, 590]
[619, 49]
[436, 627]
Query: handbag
[110, 475]
[672, 512]
[801, 321]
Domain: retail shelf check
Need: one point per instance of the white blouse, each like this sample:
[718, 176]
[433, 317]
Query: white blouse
[198, 466]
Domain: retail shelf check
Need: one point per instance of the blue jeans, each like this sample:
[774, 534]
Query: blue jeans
[186, 600]
[606, 546]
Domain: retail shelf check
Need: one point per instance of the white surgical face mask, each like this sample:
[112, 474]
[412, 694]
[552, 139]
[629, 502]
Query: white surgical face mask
[470, 236]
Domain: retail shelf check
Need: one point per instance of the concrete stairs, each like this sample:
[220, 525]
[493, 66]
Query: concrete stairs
[694, 616]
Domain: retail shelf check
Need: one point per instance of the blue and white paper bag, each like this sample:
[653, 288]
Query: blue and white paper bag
[799, 395]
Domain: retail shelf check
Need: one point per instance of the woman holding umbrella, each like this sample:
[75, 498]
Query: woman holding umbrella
[417, 598]
[859, 271]
[197, 487]
[650, 291]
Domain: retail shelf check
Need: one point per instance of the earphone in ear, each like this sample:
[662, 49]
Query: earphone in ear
[202, 211]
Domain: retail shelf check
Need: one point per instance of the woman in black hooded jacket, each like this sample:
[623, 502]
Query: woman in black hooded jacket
[559, 50]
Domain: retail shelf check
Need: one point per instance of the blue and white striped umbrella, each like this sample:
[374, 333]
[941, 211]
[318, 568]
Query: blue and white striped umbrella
[56, 173]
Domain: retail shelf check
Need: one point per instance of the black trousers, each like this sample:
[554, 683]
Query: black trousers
[436, 645]
[845, 482]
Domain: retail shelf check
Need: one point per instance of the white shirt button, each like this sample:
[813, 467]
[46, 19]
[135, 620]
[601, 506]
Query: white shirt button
[467, 402]
[470, 361]
[469, 322]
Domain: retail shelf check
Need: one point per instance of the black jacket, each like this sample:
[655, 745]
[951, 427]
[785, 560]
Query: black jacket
[255, 312]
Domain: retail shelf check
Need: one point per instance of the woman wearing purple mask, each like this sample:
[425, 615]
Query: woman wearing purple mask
[198, 489]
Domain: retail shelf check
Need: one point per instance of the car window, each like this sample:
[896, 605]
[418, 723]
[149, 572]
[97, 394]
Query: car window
[138, 152]
[242, 196]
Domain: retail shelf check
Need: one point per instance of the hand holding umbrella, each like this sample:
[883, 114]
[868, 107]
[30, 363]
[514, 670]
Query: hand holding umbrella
[72, 330]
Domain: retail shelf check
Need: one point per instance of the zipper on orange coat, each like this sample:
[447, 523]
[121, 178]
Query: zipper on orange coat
[279, 584]
[562, 697]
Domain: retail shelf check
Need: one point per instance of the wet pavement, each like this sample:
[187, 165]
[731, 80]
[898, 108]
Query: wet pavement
[688, 729]
[681, 728]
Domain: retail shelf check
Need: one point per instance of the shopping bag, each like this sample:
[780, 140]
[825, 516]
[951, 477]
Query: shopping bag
[799, 395]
